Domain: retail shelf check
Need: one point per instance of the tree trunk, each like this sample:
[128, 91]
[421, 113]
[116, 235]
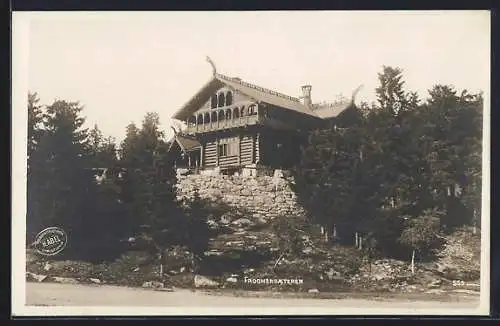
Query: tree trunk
[322, 230]
[161, 265]
[326, 235]
[356, 240]
[369, 255]
[360, 242]
[413, 262]
[278, 260]
[474, 222]
[334, 231]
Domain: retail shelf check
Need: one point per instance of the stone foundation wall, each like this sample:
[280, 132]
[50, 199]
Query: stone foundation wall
[264, 197]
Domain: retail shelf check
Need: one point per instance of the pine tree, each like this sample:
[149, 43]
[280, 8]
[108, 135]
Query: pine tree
[129, 147]
[61, 181]
[35, 121]
[149, 186]
[195, 227]
[35, 133]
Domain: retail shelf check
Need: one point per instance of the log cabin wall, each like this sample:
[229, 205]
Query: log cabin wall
[231, 150]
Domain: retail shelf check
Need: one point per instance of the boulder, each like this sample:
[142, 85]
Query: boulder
[32, 277]
[224, 220]
[435, 284]
[234, 243]
[64, 280]
[241, 222]
[213, 253]
[203, 281]
[307, 251]
[212, 224]
[333, 275]
[153, 285]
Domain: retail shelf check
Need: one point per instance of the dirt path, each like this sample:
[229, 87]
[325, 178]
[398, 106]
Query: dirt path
[51, 294]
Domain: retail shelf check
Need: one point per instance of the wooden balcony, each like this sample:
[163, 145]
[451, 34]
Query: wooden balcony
[223, 124]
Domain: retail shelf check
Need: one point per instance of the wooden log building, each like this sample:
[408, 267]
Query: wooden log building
[232, 125]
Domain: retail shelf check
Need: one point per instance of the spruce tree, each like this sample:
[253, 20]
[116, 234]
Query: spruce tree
[61, 180]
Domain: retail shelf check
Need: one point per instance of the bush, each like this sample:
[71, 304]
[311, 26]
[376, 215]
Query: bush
[289, 231]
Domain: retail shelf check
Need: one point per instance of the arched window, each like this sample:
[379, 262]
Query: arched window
[242, 111]
[252, 110]
[221, 115]
[221, 100]
[206, 118]
[200, 119]
[192, 121]
[228, 114]
[213, 103]
[214, 116]
[229, 98]
[236, 113]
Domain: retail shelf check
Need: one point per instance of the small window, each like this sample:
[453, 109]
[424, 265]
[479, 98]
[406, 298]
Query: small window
[228, 149]
[213, 103]
[236, 113]
[221, 100]
[206, 118]
[223, 150]
[252, 110]
[200, 119]
[214, 117]
[192, 121]
[229, 98]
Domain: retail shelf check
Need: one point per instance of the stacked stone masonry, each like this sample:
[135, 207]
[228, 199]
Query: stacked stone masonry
[264, 197]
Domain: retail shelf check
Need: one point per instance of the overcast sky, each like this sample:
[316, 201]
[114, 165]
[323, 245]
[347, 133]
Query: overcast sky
[122, 65]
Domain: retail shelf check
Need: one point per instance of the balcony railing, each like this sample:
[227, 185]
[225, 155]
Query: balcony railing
[223, 124]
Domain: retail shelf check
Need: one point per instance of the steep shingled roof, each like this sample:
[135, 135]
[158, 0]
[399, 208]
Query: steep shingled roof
[186, 143]
[330, 110]
[256, 92]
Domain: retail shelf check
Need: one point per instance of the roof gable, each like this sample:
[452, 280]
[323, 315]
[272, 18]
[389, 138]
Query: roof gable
[331, 110]
[253, 91]
[185, 143]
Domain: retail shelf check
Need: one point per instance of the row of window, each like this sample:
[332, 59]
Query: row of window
[221, 115]
[221, 99]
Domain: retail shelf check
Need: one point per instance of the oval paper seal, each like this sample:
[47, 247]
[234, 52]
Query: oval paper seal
[50, 241]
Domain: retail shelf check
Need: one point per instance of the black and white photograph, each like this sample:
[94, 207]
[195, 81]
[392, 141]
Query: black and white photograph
[250, 163]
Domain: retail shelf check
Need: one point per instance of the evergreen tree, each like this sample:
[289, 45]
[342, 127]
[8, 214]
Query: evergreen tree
[149, 186]
[129, 151]
[455, 126]
[194, 226]
[35, 133]
[61, 181]
[376, 171]
[35, 121]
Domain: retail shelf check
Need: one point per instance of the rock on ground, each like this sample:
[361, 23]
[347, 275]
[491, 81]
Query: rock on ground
[153, 285]
[203, 281]
[63, 280]
[32, 277]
